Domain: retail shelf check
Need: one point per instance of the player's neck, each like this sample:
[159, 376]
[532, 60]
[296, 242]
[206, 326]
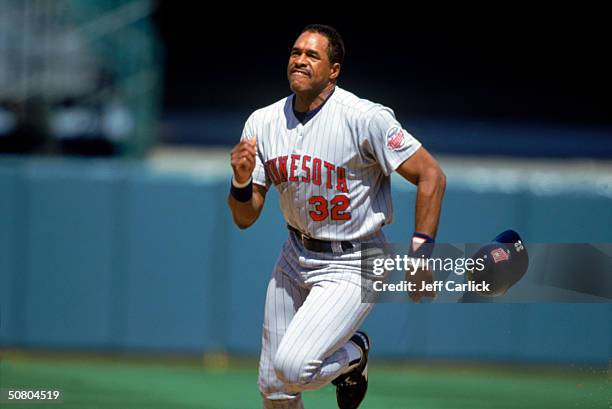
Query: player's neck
[307, 103]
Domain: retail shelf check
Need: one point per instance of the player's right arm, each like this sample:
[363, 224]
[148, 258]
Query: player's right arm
[245, 206]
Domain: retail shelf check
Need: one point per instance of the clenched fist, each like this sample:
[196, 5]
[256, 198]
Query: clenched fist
[243, 159]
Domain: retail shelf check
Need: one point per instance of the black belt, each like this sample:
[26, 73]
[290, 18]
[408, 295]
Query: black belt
[319, 246]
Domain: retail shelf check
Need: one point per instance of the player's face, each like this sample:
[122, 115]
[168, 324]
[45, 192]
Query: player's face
[309, 69]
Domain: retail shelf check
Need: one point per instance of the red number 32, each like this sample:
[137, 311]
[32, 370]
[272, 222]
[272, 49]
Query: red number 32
[338, 206]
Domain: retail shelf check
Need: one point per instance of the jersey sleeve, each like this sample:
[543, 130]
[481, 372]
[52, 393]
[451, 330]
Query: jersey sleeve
[387, 142]
[260, 176]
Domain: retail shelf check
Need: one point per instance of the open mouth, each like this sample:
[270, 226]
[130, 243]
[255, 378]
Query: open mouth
[300, 72]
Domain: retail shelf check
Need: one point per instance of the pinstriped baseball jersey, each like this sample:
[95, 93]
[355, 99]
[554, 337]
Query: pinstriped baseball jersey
[333, 171]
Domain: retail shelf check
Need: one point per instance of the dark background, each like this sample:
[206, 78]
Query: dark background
[515, 66]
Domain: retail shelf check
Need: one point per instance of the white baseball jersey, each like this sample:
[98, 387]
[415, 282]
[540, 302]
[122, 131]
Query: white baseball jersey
[333, 171]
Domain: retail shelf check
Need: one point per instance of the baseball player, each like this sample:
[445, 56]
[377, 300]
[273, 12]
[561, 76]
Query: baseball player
[330, 155]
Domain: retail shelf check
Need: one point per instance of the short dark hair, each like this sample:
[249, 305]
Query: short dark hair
[335, 50]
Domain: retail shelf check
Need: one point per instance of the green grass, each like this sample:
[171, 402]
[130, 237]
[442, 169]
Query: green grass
[90, 382]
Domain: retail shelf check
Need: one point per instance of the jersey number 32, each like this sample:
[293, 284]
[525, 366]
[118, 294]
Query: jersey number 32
[338, 205]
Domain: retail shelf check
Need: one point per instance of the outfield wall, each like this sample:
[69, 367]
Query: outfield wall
[113, 255]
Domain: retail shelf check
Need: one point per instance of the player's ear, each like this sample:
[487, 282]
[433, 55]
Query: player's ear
[335, 71]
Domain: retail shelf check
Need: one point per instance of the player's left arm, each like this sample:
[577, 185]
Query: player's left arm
[423, 170]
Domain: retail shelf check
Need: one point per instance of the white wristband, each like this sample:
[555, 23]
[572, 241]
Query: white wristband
[241, 185]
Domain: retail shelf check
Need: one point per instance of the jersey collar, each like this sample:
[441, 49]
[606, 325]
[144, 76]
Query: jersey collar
[304, 117]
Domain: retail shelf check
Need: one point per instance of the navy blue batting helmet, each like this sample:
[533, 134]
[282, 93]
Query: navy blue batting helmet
[505, 261]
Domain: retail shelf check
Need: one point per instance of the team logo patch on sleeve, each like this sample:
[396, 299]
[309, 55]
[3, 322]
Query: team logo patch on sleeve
[395, 138]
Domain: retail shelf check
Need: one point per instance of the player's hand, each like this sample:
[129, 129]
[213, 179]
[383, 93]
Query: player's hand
[243, 159]
[422, 277]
